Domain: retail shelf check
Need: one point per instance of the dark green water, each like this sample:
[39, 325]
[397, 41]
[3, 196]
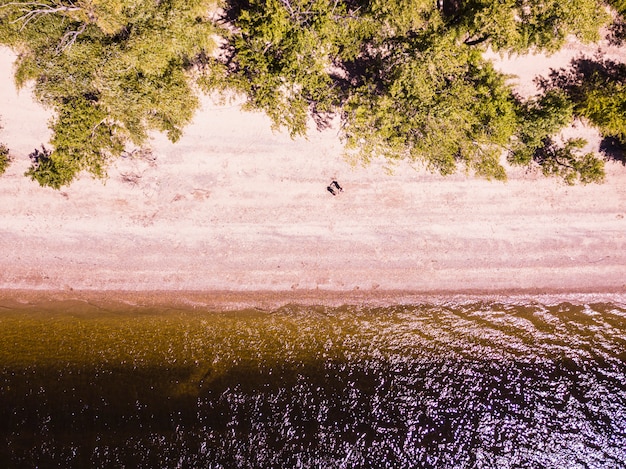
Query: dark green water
[446, 386]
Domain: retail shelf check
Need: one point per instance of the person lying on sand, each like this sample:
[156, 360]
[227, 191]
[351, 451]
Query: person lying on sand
[336, 185]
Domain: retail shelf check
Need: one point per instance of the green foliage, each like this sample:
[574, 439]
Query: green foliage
[602, 100]
[48, 170]
[280, 55]
[5, 158]
[618, 27]
[440, 105]
[538, 120]
[403, 87]
[401, 17]
[84, 137]
[520, 25]
[597, 90]
[406, 77]
[567, 163]
[112, 70]
[606, 108]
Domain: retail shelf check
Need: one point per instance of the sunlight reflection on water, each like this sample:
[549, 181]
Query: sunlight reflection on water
[467, 385]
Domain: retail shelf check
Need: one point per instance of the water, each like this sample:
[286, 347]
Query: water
[447, 386]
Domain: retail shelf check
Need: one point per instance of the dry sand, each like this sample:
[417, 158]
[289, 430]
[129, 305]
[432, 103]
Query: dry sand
[236, 207]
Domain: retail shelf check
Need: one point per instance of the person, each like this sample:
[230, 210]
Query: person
[336, 184]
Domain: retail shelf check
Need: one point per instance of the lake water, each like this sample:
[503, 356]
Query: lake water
[459, 385]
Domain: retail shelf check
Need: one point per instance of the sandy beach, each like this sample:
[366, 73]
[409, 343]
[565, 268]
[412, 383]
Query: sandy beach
[235, 207]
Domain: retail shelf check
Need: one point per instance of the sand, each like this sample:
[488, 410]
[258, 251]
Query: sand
[234, 207]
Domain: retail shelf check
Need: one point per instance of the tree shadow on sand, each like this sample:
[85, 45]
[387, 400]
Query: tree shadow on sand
[613, 150]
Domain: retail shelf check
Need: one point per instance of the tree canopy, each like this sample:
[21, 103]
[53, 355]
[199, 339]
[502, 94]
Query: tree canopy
[112, 71]
[407, 78]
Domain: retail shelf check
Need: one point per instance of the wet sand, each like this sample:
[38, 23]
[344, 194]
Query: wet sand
[123, 302]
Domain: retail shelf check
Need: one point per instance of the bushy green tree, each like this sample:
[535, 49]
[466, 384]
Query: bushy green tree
[49, 170]
[281, 55]
[618, 26]
[539, 119]
[407, 77]
[398, 82]
[440, 104]
[112, 70]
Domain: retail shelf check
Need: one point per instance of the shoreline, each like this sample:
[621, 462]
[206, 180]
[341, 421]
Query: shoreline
[267, 301]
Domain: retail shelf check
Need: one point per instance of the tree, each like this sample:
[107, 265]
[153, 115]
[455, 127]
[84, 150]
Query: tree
[597, 91]
[406, 77]
[295, 58]
[112, 70]
[618, 26]
[440, 104]
[49, 171]
[539, 119]
[568, 163]
[280, 55]
[523, 25]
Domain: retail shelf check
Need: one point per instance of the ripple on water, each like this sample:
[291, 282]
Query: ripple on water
[464, 386]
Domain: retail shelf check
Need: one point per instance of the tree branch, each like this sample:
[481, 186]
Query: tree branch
[560, 163]
[473, 42]
[287, 5]
[69, 38]
[33, 10]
